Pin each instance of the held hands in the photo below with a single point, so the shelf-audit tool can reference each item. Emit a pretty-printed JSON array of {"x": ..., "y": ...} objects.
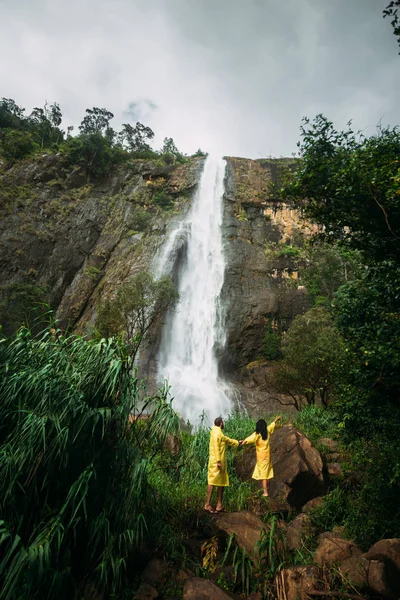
[{"x": 241, "y": 442}]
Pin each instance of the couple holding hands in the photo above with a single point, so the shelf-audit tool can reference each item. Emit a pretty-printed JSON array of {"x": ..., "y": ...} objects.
[{"x": 217, "y": 472}]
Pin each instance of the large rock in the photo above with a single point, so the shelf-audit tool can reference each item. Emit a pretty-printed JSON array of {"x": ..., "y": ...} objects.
[
  {"x": 379, "y": 580},
  {"x": 196, "y": 588},
  {"x": 155, "y": 572},
  {"x": 334, "y": 550},
  {"x": 387, "y": 551},
  {"x": 295, "y": 583},
  {"x": 245, "y": 526},
  {"x": 354, "y": 571},
  {"x": 298, "y": 467},
  {"x": 298, "y": 530}
]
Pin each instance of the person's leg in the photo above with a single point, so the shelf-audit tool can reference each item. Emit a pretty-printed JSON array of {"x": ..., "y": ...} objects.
[
  {"x": 220, "y": 493},
  {"x": 207, "y": 505},
  {"x": 264, "y": 483}
]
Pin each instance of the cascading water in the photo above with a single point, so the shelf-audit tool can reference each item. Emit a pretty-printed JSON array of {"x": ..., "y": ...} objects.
[{"x": 194, "y": 331}]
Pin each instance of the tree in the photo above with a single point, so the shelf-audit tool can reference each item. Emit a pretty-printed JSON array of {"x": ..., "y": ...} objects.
[
  {"x": 170, "y": 152},
  {"x": 16, "y": 144},
  {"x": 135, "y": 308},
  {"x": 392, "y": 10},
  {"x": 323, "y": 268},
  {"x": 11, "y": 115},
  {"x": 311, "y": 347},
  {"x": 135, "y": 138},
  {"x": 45, "y": 124},
  {"x": 352, "y": 186},
  {"x": 93, "y": 152},
  {"x": 97, "y": 120}
]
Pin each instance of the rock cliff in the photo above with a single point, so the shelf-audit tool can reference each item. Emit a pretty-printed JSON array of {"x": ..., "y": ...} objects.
[{"x": 70, "y": 243}]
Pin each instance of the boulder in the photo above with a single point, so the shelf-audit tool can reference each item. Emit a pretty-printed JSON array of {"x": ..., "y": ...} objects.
[
  {"x": 331, "y": 445},
  {"x": 387, "y": 552},
  {"x": 155, "y": 572},
  {"x": 300, "y": 528},
  {"x": 196, "y": 588},
  {"x": 334, "y": 550},
  {"x": 295, "y": 583},
  {"x": 354, "y": 571},
  {"x": 312, "y": 504},
  {"x": 334, "y": 469},
  {"x": 245, "y": 525},
  {"x": 298, "y": 467},
  {"x": 146, "y": 592},
  {"x": 379, "y": 582}
]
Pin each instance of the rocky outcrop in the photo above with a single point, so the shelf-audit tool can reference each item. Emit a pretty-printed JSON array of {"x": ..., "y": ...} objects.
[
  {"x": 298, "y": 467},
  {"x": 79, "y": 241},
  {"x": 196, "y": 588}
]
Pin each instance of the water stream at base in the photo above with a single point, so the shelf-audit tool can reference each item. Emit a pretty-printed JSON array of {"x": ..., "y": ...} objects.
[{"x": 194, "y": 331}]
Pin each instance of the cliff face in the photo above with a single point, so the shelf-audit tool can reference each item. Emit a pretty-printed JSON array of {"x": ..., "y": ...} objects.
[
  {"x": 260, "y": 288},
  {"x": 76, "y": 241}
]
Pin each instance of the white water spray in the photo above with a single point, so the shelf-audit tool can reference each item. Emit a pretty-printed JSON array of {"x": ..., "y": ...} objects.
[{"x": 195, "y": 329}]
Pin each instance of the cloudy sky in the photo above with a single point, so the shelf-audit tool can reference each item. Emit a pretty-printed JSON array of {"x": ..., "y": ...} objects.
[{"x": 232, "y": 76}]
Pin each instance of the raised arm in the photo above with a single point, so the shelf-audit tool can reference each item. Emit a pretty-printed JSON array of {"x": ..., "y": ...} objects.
[{"x": 275, "y": 423}]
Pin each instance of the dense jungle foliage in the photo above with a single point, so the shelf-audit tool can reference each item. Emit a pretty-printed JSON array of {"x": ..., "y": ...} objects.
[{"x": 97, "y": 148}]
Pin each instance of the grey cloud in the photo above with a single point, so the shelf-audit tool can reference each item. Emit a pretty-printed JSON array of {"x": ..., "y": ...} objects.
[{"x": 234, "y": 76}]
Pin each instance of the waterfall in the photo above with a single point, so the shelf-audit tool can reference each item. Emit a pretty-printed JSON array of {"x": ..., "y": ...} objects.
[{"x": 194, "y": 330}]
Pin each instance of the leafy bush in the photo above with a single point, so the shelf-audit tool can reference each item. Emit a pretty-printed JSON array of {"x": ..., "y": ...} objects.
[
  {"x": 140, "y": 219},
  {"x": 76, "y": 502},
  {"x": 272, "y": 344},
  {"x": 16, "y": 144},
  {"x": 163, "y": 199}
]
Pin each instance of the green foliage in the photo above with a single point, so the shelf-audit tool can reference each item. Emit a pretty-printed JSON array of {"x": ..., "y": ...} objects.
[
  {"x": 15, "y": 144},
  {"x": 76, "y": 502},
  {"x": 135, "y": 308},
  {"x": 163, "y": 199},
  {"x": 311, "y": 348},
  {"x": 170, "y": 153},
  {"x": 94, "y": 153},
  {"x": 140, "y": 219},
  {"x": 352, "y": 186},
  {"x": 392, "y": 10},
  {"x": 272, "y": 344},
  {"x": 317, "y": 422},
  {"x": 136, "y": 139},
  {"x": 22, "y": 304},
  {"x": 323, "y": 268}
]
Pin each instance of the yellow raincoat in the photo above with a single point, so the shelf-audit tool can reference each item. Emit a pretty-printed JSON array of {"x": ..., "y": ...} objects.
[
  {"x": 218, "y": 443},
  {"x": 263, "y": 468}
]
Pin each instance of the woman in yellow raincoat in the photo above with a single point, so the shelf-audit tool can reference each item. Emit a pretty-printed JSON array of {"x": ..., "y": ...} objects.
[
  {"x": 263, "y": 469},
  {"x": 217, "y": 472}
]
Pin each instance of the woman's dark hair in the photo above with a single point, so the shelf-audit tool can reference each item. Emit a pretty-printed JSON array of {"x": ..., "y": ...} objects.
[{"x": 261, "y": 427}]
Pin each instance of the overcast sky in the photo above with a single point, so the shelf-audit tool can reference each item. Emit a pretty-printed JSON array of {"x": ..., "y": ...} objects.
[{"x": 233, "y": 76}]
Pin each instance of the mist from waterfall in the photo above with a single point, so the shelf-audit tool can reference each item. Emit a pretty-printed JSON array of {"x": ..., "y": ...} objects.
[{"x": 194, "y": 331}]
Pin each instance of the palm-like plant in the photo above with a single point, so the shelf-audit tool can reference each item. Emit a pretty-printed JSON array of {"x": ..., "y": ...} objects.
[{"x": 74, "y": 497}]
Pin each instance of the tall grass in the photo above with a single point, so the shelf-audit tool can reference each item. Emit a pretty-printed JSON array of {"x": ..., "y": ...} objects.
[{"x": 74, "y": 491}]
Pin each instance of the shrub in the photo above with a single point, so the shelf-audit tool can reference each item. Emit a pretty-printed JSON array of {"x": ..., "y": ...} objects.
[
  {"x": 16, "y": 144},
  {"x": 272, "y": 344},
  {"x": 74, "y": 471}
]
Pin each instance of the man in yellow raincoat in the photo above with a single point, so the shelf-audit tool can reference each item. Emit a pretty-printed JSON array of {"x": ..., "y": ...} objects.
[{"x": 217, "y": 473}]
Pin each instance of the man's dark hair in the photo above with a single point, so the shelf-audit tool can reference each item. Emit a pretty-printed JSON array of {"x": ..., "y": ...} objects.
[{"x": 218, "y": 421}]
